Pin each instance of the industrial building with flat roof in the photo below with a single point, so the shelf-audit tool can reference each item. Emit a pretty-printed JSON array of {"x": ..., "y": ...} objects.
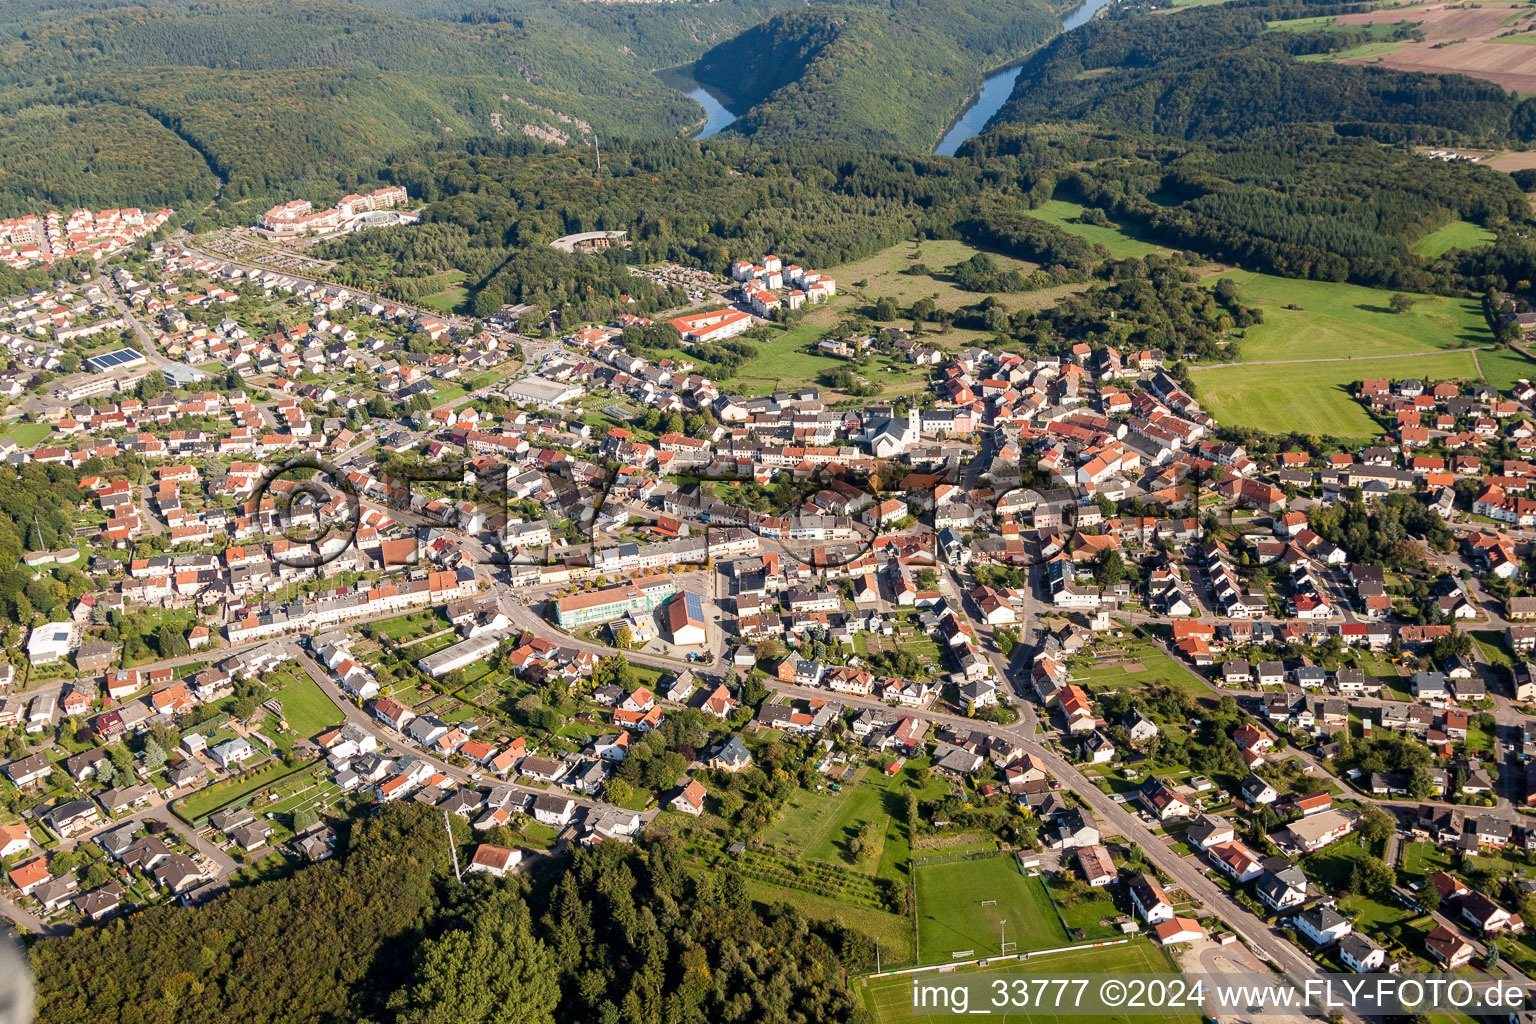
[{"x": 541, "y": 391}]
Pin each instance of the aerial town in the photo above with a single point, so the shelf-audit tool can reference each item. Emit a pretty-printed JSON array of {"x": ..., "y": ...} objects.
[{"x": 1275, "y": 703}]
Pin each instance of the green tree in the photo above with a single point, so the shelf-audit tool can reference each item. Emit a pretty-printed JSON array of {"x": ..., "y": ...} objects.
[
  {"x": 154, "y": 755},
  {"x": 733, "y": 890},
  {"x": 1400, "y": 302},
  {"x": 489, "y": 968},
  {"x": 151, "y": 385},
  {"x": 1377, "y": 825},
  {"x": 618, "y": 791}
]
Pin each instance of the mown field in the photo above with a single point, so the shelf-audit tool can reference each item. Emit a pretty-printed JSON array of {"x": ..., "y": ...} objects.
[
  {"x": 1143, "y": 666},
  {"x": 1325, "y": 320},
  {"x": 1120, "y": 243},
  {"x": 1314, "y": 398},
  {"x": 952, "y": 918},
  {"x": 1458, "y": 234},
  {"x": 819, "y": 826}
]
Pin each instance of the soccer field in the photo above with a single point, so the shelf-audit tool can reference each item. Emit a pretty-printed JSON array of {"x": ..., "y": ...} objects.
[
  {"x": 952, "y": 915},
  {"x": 890, "y": 999}
]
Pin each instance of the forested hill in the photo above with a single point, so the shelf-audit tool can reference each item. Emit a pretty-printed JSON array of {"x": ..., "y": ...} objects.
[
  {"x": 1304, "y": 202},
  {"x": 1214, "y": 72},
  {"x": 887, "y": 76},
  {"x": 279, "y": 97},
  {"x": 384, "y": 933}
]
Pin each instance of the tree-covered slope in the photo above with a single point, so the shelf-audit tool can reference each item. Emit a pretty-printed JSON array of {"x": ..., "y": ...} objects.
[
  {"x": 1214, "y": 72},
  {"x": 890, "y": 75},
  {"x": 383, "y": 932},
  {"x": 282, "y": 96}
]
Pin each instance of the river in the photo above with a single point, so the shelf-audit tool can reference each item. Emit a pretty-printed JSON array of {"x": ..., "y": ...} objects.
[
  {"x": 999, "y": 86},
  {"x": 716, "y": 116}
]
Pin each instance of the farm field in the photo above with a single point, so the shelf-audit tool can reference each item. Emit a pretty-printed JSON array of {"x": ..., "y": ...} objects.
[
  {"x": 951, "y": 918},
  {"x": 1458, "y": 39},
  {"x": 1502, "y": 367},
  {"x": 1345, "y": 319},
  {"x": 1458, "y": 234},
  {"x": 1313, "y": 398},
  {"x": 890, "y": 999}
]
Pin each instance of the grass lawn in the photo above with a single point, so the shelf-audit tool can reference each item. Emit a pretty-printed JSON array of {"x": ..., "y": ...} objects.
[
  {"x": 28, "y": 435},
  {"x": 1496, "y": 865},
  {"x": 206, "y": 801},
  {"x": 306, "y": 708},
  {"x": 1120, "y": 243},
  {"x": 405, "y": 626},
  {"x": 1423, "y": 859},
  {"x": 819, "y": 826},
  {"x": 890, "y": 999},
  {"x": 1090, "y": 913},
  {"x": 1345, "y": 319},
  {"x": 1314, "y": 398},
  {"x": 1491, "y": 643},
  {"x": 951, "y": 917},
  {"x": 449, "y": 293},
  {"x": 787, "y": 360},
  {"x": 1458, "y": 234},
  {"x": 1331, "y": 866}
]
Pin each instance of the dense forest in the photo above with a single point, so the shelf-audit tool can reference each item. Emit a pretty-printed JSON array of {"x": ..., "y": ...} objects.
[
  {"x": 383, "y": 932},
  {"x": 1301, "y": 202},
  {"x": 280, "y": 96}
]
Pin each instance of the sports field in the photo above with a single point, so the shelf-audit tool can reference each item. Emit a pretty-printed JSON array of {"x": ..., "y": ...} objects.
[
  {"x": 1144, "y": 664},
  {"x": 1314, "y": 398},
  {"x": 952, "y": 917},
  {"x": 890, "y": 999},
  {"x": 1325, "y": 319}
]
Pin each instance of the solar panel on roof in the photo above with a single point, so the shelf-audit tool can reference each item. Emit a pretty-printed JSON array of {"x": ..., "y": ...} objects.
[
  {"x": 693, "y": 605},
  {"x": 109, "y": 360}
]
